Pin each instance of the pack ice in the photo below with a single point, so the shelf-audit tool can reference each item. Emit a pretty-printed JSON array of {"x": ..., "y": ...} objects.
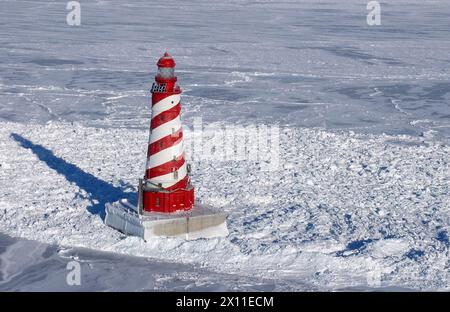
[{"x": 348, "y": 210}]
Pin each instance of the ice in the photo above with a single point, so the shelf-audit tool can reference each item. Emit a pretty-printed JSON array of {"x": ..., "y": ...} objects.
[
  {"x": 308, "y": 63},
  {"x": 361, "y": 199},
  {"x": 376, "y": 203},
  {"x": 31, "y": 266}
]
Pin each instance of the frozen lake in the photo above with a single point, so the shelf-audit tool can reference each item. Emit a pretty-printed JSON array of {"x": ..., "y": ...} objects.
[
  {"x": 303, "y": 63},
  {"x": 362, "y": 196},
  {"x": 32, "y": 266}
]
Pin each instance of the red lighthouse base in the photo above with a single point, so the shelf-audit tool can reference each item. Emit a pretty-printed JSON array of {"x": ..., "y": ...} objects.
[
  {"x": 168, "y": 201},
  {"x": 165, "y": 213}
]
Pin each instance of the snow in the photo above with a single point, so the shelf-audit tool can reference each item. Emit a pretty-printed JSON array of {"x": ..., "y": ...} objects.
[
  {"x": 360, "y": 198},
  {"x": 32, "y": 266},
  {"x": 368, "y": 212}
]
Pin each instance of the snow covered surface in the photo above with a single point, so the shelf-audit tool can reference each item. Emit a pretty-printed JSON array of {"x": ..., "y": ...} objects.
[
  {"x": 32, "y": 266},
  {"x": 342, "y": 208},
  {"x": 361, "y": 198}
]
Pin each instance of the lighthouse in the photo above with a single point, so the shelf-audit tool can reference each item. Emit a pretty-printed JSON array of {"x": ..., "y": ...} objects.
[
  {"x": 166, "y": 186},
  {"x": 165, "y": 205}
]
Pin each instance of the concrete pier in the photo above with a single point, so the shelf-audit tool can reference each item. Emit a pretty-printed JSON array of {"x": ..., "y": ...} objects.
[{"x": 200, "y": 222}]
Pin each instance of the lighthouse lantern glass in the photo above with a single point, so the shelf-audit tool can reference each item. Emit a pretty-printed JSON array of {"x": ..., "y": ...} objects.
[{"x": 166, "y": 72}]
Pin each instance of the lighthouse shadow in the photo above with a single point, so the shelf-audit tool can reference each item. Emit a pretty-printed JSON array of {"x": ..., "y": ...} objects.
[{"x": 100, "y": 192}]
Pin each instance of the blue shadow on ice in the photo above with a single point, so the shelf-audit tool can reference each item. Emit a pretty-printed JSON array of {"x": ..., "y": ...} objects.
[{"x": 98, "y": 189}]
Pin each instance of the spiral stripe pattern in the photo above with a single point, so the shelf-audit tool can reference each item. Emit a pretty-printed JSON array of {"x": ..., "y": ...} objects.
[{"x": 166, "y": 165}]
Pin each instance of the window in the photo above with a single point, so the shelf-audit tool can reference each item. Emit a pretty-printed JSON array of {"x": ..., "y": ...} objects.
[
  {"x": 157, "y": 201},
  {"x": 175, "y": 175},
  {"x": 166, "y": 72}
]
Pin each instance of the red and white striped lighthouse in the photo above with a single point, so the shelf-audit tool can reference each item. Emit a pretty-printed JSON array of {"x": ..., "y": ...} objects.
[{"x": 166, "y": 186}]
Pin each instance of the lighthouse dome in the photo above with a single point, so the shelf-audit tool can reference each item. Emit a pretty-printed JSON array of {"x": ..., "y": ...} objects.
[{"x": 166, "y": 61}]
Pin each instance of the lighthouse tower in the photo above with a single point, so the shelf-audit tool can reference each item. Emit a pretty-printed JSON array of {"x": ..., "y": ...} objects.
[
  {"x": 166, "y": 186},
  {"x": 165, "y": 204}
]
